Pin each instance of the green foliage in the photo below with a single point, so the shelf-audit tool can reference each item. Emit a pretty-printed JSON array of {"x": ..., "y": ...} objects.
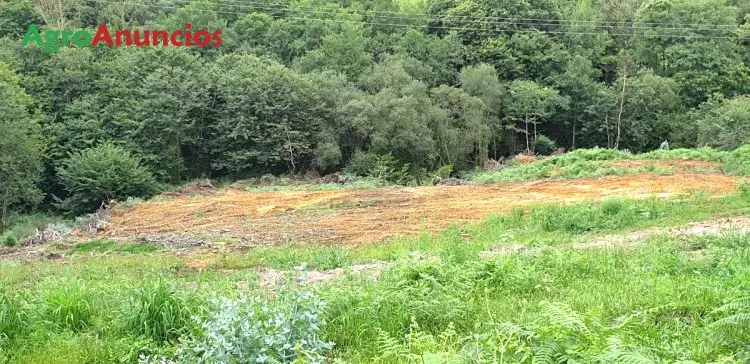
[
  {"x": 9, "y": 238},
  {"x": 69, "y": 306},
  {"x": 159, "y": 313},
  {"x": 101, "y": 246},
  {"x": 14, "y": 318},
  {"x": 381, "y": 167},
  {"x": 100, "y": 174},
  {"x": 723, "y": 123},
  {"x": 444, "y": 171},
  {"x": 251, "y": 329},
  {"x": 738, "y": 161},
  {"x": 22, "y": 145},
  {"x": 544, "y": 145},
  {"x": 597, "y": 162}
]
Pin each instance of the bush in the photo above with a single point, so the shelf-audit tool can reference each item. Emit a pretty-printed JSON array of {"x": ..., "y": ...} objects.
[
  {"x": 9, "y": 238},
  {"x": 100, "y": 174},
  {"x": 251, "y": 330},
  {"x": 544, "y": 145},
  {"x": 69, "y": 307},
  {"x": 738, "y": 161},
  {"x": 383, "y": 167},
  {"x": 159, "y": 313}
]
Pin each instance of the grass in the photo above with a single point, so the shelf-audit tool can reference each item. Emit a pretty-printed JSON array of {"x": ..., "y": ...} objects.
[
  {"x": 596, "y": 162},
  {"x": 102, "y": 246},
  {"x": 69, "y": 306},
  {"x": 669, "y": 299},
  {"x": 159, "y": 312}
]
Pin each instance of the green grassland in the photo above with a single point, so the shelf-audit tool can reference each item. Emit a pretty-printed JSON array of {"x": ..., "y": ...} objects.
[{"x": 437, "y": 300}]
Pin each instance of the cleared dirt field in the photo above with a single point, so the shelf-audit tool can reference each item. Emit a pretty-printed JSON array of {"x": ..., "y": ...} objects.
[{"x": 364, "y": 216}]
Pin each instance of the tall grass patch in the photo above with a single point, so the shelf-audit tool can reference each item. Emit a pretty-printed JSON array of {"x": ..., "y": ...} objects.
[
  {"x": 69, "y": 306},
  {"x": 14, "y": 318},
  {"x": 159, "y": 312}
]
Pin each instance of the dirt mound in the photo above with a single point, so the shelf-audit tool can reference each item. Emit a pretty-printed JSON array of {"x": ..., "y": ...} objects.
[
  {"x": 366, "y": 216},
  {"x": 525, "y": 158}
]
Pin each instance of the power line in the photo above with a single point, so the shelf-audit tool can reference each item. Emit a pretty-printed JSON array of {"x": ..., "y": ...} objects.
[
  {"x": 420, "y": 26},
  {"x": 250, "y": 3},
  {"x": 406, "y": 16}
]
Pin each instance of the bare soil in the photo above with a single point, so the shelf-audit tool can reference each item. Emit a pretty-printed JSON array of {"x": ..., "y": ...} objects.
[{"x": 356, "y": 217}]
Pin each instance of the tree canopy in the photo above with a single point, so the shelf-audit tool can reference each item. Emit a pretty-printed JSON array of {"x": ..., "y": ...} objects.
[{"x": 308, "y": 85}]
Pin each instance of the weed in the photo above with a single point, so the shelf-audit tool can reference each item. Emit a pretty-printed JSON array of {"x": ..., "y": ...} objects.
[
  {"x": 158, "y": 312},
  {"x": 69, "y": 306},
  {"x": 14, "y": 319}
]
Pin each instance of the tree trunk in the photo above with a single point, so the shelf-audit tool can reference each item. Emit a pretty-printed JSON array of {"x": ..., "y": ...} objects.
[
  {"x": 573, "y": 143},
  {"x": 606, "y": 127},
  {"x": 526, "y": 122},
  {"x": 533, "y": 144},
  {"x": 622, "y": 106}
]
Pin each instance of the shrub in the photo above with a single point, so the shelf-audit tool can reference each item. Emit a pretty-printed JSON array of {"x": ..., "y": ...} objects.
[
  {"x": 444, "y": 171},
  {"x": 384, "y": 167},
  {"x": 9, "y": 238},
  {"x": 100, "y": 174},
  {"x": 158, "y": 312},
  {"x": 252, "y": 330},
  {"x": 69, "y": 307},
  {"x": 738, "y": 161},
  {"x": 544, "y": 145}
]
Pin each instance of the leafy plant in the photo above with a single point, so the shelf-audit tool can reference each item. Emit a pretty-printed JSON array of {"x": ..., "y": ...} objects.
[{"x": 254, "y": 330}]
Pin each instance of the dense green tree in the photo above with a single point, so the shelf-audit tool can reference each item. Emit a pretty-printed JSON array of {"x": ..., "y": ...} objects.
[
  {"x": 267, "y": 117},
  {"x": 704, "y": 58},
  {"x": 531, "y": 104},
  {"x": 21, "y": 147},
  {"x": 724, "y": 123},
  {"x": 409, "y": 86}
]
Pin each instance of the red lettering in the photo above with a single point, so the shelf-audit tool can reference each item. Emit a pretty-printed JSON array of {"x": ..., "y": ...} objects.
[
  {"x": 188, "y": 35},
  {"x": 174, "y": 36},
  {"x": 123, "y": 34},
  {"x": 146, "y": 41},
  {"x": 202, "y": 38},
  {"x": 164, "y": 36},
  {"x": 217, "y": 38},
  {"x": 102, "y": 35}
]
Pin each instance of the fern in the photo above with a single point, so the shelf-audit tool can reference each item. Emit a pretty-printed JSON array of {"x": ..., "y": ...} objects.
[
  {"x": 736, "y": 320},
  {"x": 562, "y": 316},
  {"x": 550, "y": 353}
]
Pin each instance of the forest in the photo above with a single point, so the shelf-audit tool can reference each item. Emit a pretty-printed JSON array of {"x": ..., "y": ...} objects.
[{"x": 351, "y": 85}]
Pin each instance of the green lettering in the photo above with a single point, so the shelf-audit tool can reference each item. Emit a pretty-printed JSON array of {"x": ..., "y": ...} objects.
[
  {"x": 66, "y": 34},
  {"x": 32, "y": 35},
  {"x": 50, "y": 41},
  {"x": 82, "y": 38}
]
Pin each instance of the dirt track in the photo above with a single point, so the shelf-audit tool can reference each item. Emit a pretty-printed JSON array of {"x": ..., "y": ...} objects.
[{"x": 363, "y": 216}]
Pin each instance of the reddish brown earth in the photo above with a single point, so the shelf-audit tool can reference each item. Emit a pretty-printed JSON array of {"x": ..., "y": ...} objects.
[{"x": 363, "y": 216}]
